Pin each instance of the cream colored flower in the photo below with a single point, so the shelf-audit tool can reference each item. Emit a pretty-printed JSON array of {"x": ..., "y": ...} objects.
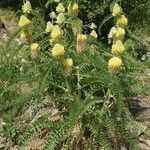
[
  {"x": 93, "y": 26},
  {"x": 24, "y": 21},
  {"x": 60, "y": 8},
  {"x": 122, "y": 21},
  {"x": 58, "y": 51},
  {"x": 49, "y": 27},
  {"x": 94, "y": 34},
  {"x": 26, "y": 8},
  {"x": 53, "y": 15},
  {"x": 112, "y": 32},
  {"x": 115, "y": 64},
  {"x": 60, "y": 18},
  {"x": 56, "y": 33},
  {"x": 118, "y": 48},
  {"x": 117, "y": 10}
]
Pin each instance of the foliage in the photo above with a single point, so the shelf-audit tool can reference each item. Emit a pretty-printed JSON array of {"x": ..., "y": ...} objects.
[{"x": 91, "y": 100}]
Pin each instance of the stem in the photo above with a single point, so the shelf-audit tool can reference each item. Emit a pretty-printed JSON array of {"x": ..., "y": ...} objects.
[{"x": 78, "y": 84}]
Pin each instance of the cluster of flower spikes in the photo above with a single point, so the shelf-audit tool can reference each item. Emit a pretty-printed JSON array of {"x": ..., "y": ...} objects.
[
  {"x": 24, "y": 25},
  {"x": 116, "y": 36},
  {"x": 55, "y": 32}
]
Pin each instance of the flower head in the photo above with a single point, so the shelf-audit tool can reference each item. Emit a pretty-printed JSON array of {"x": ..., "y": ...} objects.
[
  {"x": 81, "y": 37},
  {"x": 60, "y": 18},
  {"x": 49, "y": 27},
  {"x": 26, "y": 8},
  {"x": 118, "y": 48},
  {"x": 114, "y": 64},
  {"x": 60, "y": 8},
  {"x": 68, "y": 62},
  {"x": 35, "y": 46},
  {"x": 57, "y": 32},
  {"x": 94, "y": 34},
  {"x": 73, "y": 9},
  {"x": 122, "y": 21},
  {"x": 117, "y": 10},
  {"x": 58, "y": 51},
  {"x": 24, "y": 21},
  {"x": 93, "y": 26},
  {"x": 120, "y": 32}
]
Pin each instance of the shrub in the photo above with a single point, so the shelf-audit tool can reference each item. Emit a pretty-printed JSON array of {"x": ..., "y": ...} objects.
[{"x": 86, "y": 81}]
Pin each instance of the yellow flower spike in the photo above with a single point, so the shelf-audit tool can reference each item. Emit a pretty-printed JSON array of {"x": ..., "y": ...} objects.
[
  {"x": 56, "y": 33},
  {"x": 122, "y": 21},
  {"x": 74, "y": 9},
  {"x": 115, "y": 64},
  {"x": 93, "y": 26},
  {"x": 26, "y": 7},
  {"x": 49, "y": 27},
  {"x": 60, "y": 18},
  {"x": 117, "y": 10},
  {"x": 58, "y": 51},
  {"x": 120, "y": 32},
  {"x": 34, "y": 50},
  {"x": 68, "y": 62},
  {"x": 118, "y": 48},
  {"x": 94, "y": 34},
  {"x": 60, "y": 8},
  {"x": 81, "y": 43},
  {"x": 81, "y": 37},
  {"x": 24, "y": 21},
  {"x": 67, "y": 67}
]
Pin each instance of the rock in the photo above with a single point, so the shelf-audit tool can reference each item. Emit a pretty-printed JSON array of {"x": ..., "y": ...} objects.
[
  {"x": 144, "y": 147},
  {"x": 10, "y": 25}
]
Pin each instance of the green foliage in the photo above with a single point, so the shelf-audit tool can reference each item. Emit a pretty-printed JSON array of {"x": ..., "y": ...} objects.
[{"x": 91, "y": 101}]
